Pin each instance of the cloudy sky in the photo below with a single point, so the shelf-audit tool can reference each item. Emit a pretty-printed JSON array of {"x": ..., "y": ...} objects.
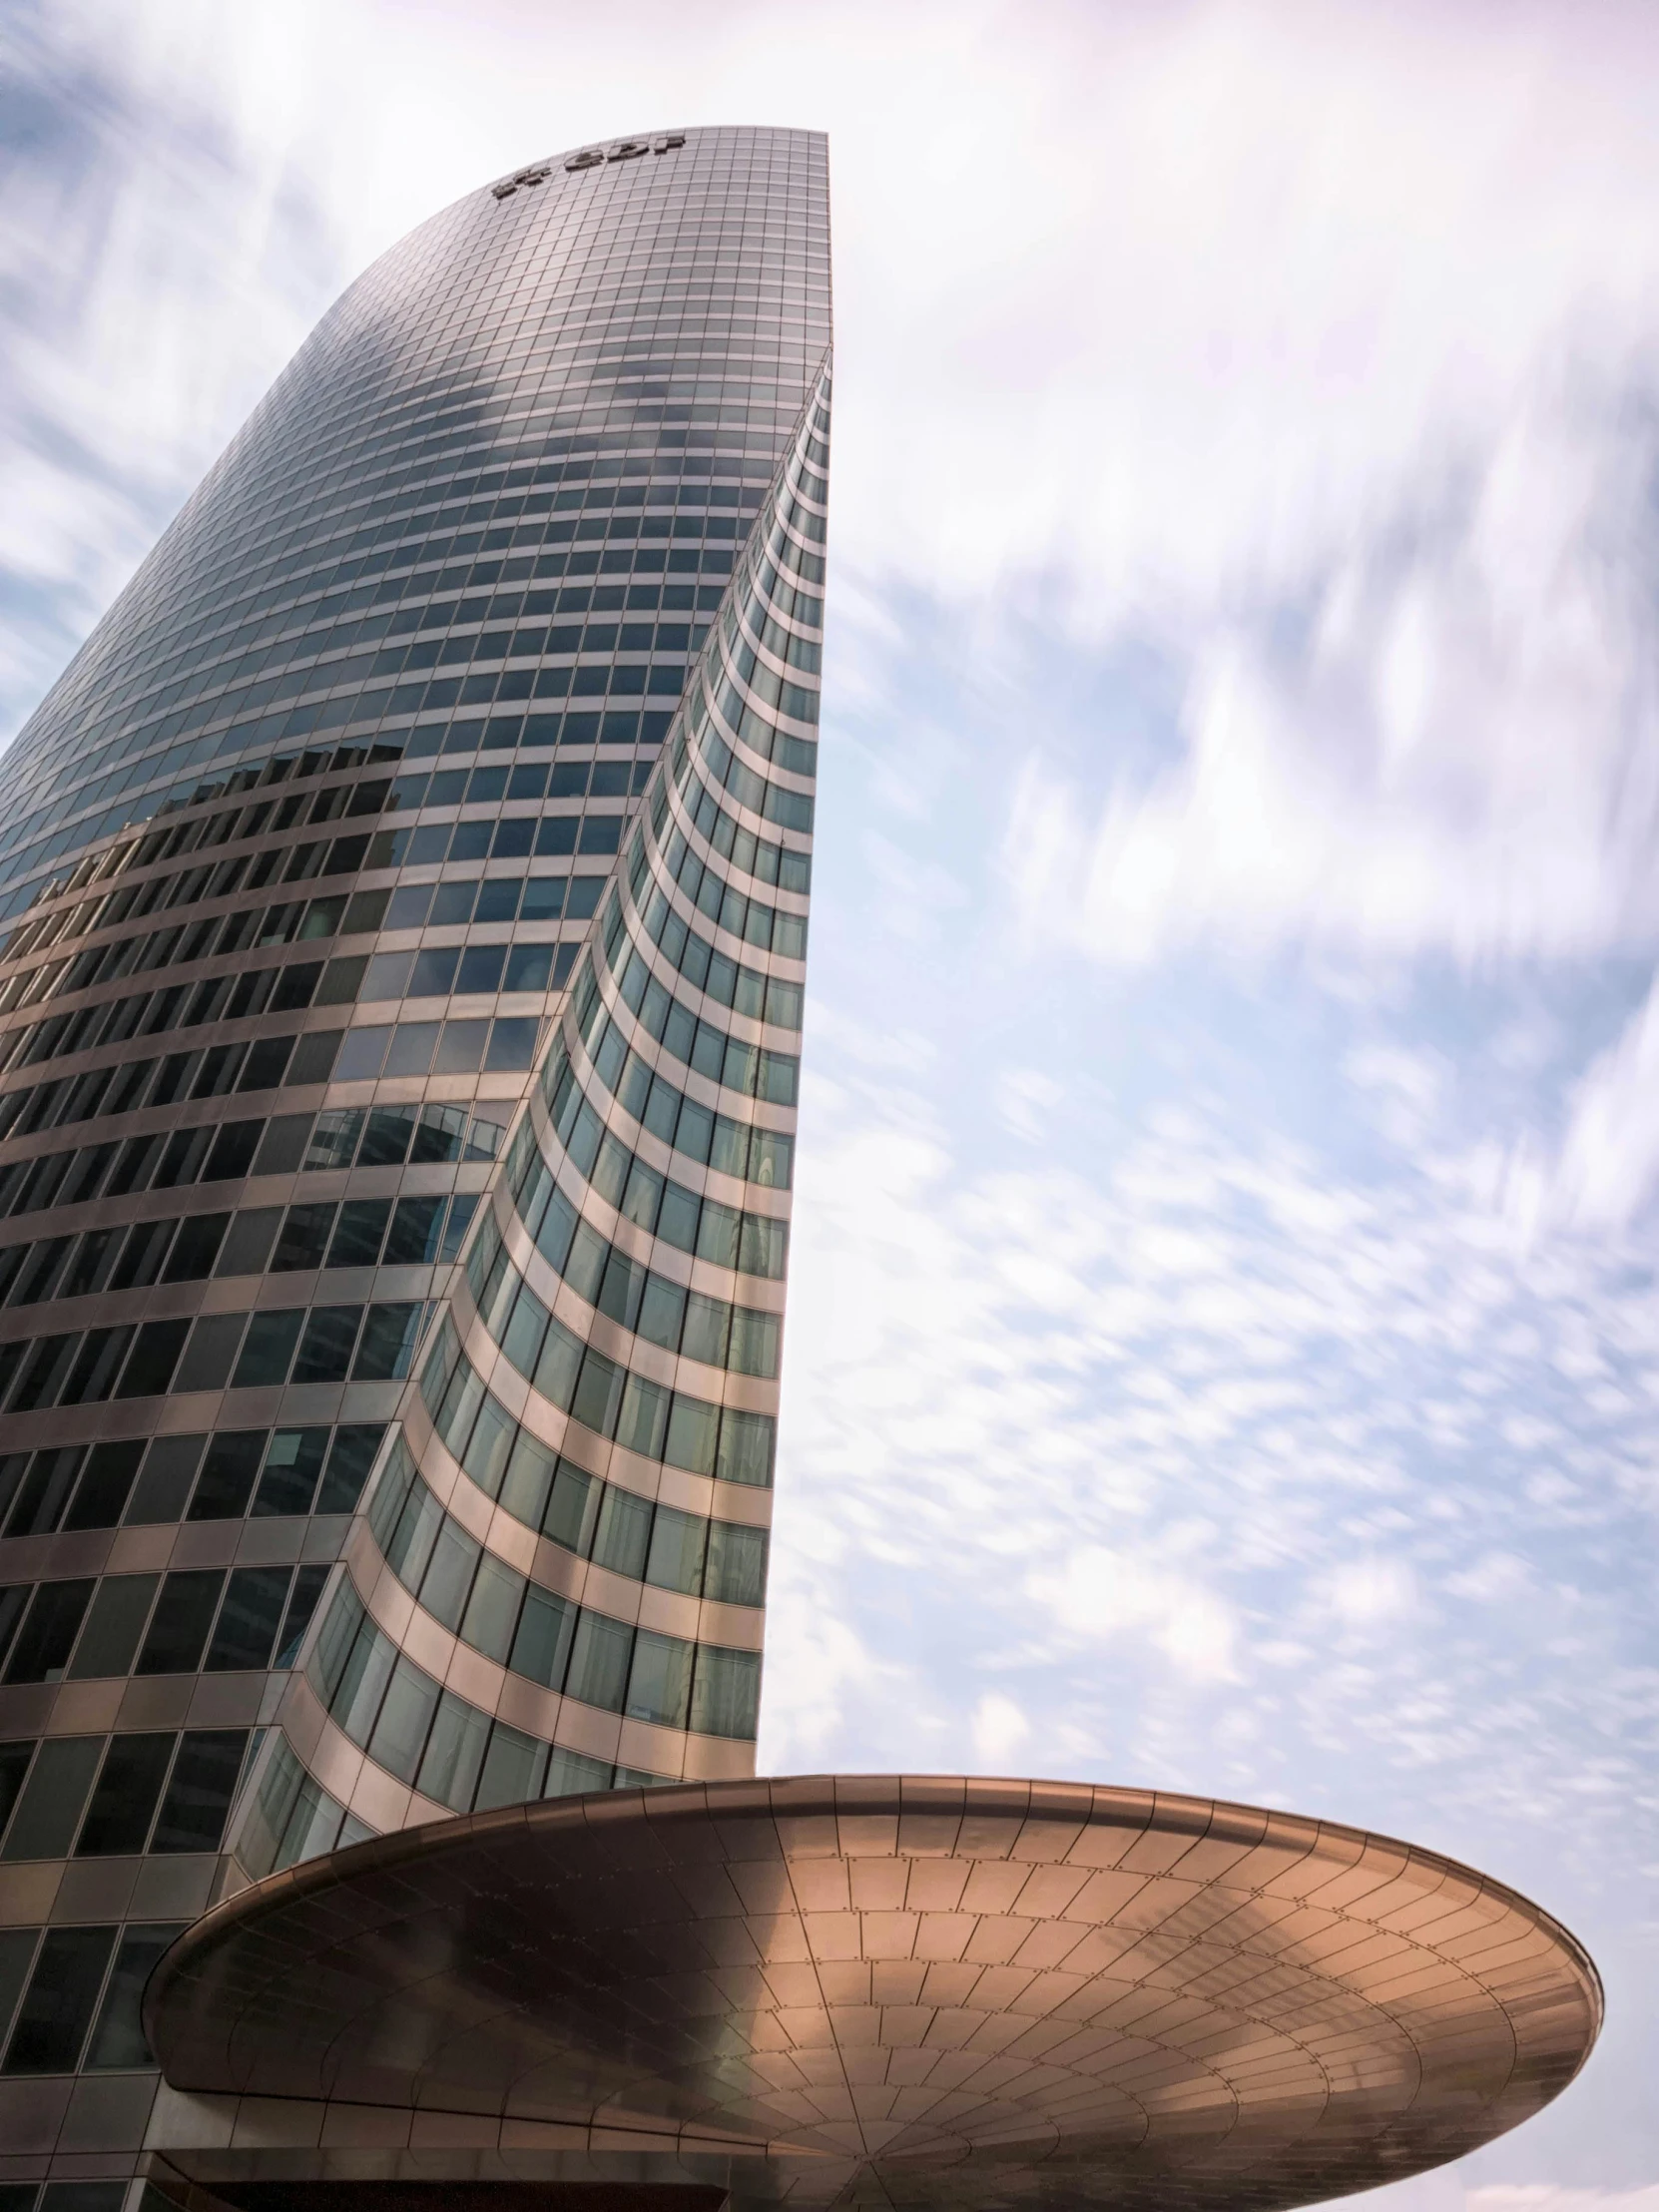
[{"x": 1225, "y": 1339}]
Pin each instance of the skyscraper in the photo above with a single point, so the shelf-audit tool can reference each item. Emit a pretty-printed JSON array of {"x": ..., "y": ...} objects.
[
  {"x": 400, "y": 1033},
  {"x": 338, "y": 809}
]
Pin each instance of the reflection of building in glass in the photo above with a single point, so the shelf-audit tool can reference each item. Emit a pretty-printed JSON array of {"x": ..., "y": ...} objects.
[{"x": 399, "y": 1027}]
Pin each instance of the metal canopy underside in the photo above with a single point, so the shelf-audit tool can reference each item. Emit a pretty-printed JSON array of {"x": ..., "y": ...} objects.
[{"x": 898, "y": 1990}]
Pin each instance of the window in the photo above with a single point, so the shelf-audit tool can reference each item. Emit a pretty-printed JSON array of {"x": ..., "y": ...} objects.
[
  {"x": 360, "y": 1232},
  {"x": 129, "y": 1789},
  {"x": 659, "y": 1681},
  {"x": 178, "y": 1628},
  {"x": 199, "y": 1795},
  {"x": 727, "y": 1694},
  {"x": 227, "y": 1474},
  {"x": 244, "y": 1633},
  {"x": 118, "y": 2041},
  {"x": 47, "y": 1638},
  {"x": 114, "y": 1624},
  {"x": 324, "y": 1354},
  {"x": 293, "y": 1462},
  {"x": 57, "y": 2008},
  {"x": 50, "y": 1803},
  {"x": 304, "y": 1238}
]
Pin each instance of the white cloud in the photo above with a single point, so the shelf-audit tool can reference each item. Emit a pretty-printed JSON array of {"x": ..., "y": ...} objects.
[
  {"x": 1496, "y": 1577},
  {"x": 1609, "y": 1161},
  {"x": 1456, "y": 751},
  {"x": 1372, "y": 1594},
  {"x": 999, "y": 1728},
  {"x": 1102, "y": 1595},
  {"x": 1026, "y": 1101}
]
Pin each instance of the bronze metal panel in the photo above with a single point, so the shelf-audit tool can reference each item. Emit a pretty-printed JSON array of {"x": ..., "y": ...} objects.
[{"x": 916, "y": 1993}]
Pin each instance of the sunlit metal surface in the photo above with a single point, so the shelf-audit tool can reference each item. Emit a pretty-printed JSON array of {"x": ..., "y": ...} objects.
[{"x": 910, "y": 1992}]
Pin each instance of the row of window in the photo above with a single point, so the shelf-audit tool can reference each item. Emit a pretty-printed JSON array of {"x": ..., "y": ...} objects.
[
  {"x": 751, "y": 623},
  {"x": 517, "y": 837},
  {"x": 298, "y": 723},
  {"x": 333, "y": 624},
  {"x": 740, "y": 1149},
  {"x": 242, "y": 698},
  {"x": 399, "y": 1136},
  {"x": 271, "y": 862},
  {"x": 221, "y": 1621},
  {"x": 751, "y": 1070},
  {"x": 55, "y": 1982},
  {"x": 726, "y": 838},
  {"x": 429, "y": 605},
  {"x": 493, "y": 898},
  {"x": 451, "y": 1048},
  {"x": 638, "y": 511},
  {"x": 219, "y": 1069},
  {"x": 362, "y": 1233},
  {"x": 240, "y": 1352},
  {"x": 769, "y": 999},
  {"x": 487, "y": 786},
  {"x": 746, "y": 695},
  {"x": 789, "y": 809},
  {"x": 125, "y": 1086},
  {"x": 387, "y": 638},
  {"x": 759, "y": 997},
  {"x": 687, "y": 489},
  {"x": 604, "y": 1395},
  {"x": 99, "y": 1797},
  {"x": 419, "y": 1732},
  {"x": 73, "y": 2196},
  {"x": 175, "y": 838},
  {"x": 785, "y": 591},
  {"x": 710, "y": 1330},
  {"x": 717, "y": 769},
  {"x": 748, "y": 1242},
  {"x": 300, "y": 984},
  {"x": 423, "y": 480},
  {"x": 435, "y": 1557},
  {"x": 459, "y": 648},
  {"x": 286, "y": 725},
  {"x": 562, "y": 489},
  {"x": 339, "y": 558},
  {"x": 464, "y": 642},
  {"x": 769, "y": 928},
  {"x": 574, "y": 732},
  {"x": 214, "y": 1152},
  {"x": 254, "y": 930},
  {"x": 263, "y": 1474},
  {"x": 226, "y": 997},
  {"x": 788, "y": 551},
  {"x": 626, "y": 683},
  {"x": 249, "y": 930},
  {"x": 474, "y": 970},
  {"x": 724, "y": 1442},
  {"x": 291, "y": 1817},
  {"x": 609, "y": 525}
]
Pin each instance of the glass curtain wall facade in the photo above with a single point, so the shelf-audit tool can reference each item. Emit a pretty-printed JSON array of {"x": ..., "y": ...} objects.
[{"x": 400, "y": 1032}]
